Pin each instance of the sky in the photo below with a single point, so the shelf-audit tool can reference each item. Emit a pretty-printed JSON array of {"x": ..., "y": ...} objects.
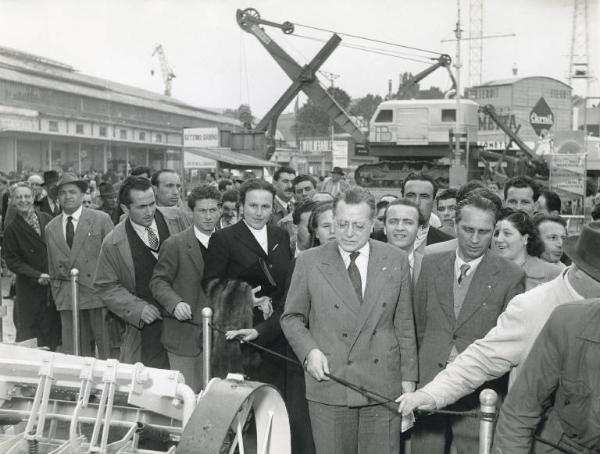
[{"x": 218, "y": 65}]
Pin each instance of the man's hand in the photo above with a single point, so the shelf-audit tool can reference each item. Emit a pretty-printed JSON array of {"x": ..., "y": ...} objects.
[
  {"x": 408, "y": 387},
  {"x": 150, "y": 313},
  {"x": 415, "y": 400},
  {"x": 182, "y": 311},
  {"x": 248, "y": 334},
  {"x": 317, "y": 365},
  {"x": 263, "y": 303},
  {"x": 44, "y": 279}
]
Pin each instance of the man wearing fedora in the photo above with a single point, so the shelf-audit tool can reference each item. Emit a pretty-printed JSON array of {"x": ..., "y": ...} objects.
[
  {"x": 336, "y": 183},
  {"x": 50, "y": 203},
  {"x": 505, "y": 347},
  {"x": 74, "y": 239}
]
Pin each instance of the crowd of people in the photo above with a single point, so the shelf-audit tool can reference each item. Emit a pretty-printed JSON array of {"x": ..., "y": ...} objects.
[{"x": 427, "y": 297}]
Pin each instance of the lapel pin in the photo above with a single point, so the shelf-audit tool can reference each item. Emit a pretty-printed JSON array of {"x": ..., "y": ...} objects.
[
  {"x": 384, "y": 268},
  {"x": 275, "y": 247}
]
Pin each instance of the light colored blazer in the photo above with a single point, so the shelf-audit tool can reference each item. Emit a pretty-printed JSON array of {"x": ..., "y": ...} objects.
[
  {"x": 371, "y": 344},
  {"x": 93, "y": 226},
  {"x": 115, "y": 282},
  {"x": 505, "y": 347}
]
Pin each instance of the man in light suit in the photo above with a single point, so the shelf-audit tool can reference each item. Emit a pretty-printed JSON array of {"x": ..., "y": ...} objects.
[
  {"x": 177, "y": 285},
  {"x": 459, "y": 296},
  {"x": 506, "y": 346},
  {"x": 74, "y": 239},
  {"x": 127, "y": 259},
  {"x": 348, "y": 310}
]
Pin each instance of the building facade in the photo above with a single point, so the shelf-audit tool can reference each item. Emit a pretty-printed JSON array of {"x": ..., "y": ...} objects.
[{"x": 53, "y": 117}]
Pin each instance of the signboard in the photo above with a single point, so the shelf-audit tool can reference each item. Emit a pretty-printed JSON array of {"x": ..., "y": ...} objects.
[
  {"x": 200, "y": 137},
  {"x": 541, "y": 117},
  {"x": 193, "y": 161},
  {"x": 568, "y": 175},
  {"x": 340, "y": 154}
]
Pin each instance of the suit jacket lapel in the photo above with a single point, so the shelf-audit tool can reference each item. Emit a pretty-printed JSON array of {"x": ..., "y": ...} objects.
[
  {"x": 334, "y": 271},
  {"x": 84, "y": 225},
  {"x": 248, "y": 240},
  {"x": 444, "y": 284},
  {"x": 28, "y": 230},
  {"x": 482, "y": 286},
  {"x": 58, "y": 236},
  {"x": 193, "y": 250}
]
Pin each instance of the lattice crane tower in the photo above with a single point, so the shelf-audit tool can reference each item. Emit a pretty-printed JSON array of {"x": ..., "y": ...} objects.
[
  {"x": 579, "y": 54},
  {"x": 475, "y": 41}
]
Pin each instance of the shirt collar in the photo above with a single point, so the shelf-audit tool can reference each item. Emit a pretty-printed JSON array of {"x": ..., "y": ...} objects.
[
  {"x": 282, "y": 202},
  {"x": 202, "y": 237},
  {"x": 473, "y": 264},
  {"x": 364, "y": 251},
  {"x": 75, "y": 215},
  {"x": 255, "y": 231},
  {"x": 141, "y": 230},
  {"x": 572, "y": 291}
]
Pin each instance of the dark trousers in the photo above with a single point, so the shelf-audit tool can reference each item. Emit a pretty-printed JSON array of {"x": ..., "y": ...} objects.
[
  {"x": 361, "y": 430},
  {"x": 93, "y": 333}
]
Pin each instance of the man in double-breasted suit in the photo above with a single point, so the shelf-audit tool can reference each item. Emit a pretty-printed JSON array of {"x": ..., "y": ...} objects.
[
  {"x": 259, "y": 253},
  {"x": 348, "y": 312},
  {"x": 458, "y": 297},
  {"x": 74, "y": 239},
  {"x": 177, "y": 285},
  {"x": 127, "y": 259}
]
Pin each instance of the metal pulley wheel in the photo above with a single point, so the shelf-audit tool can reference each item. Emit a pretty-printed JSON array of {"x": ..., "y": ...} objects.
[{"x": 237, "y": 416}]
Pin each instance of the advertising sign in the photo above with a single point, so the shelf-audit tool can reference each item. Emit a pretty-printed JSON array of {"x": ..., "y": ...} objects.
[
  {"x": 541, "y": 117},
  {"x": 194, "y": 161},
  {"x": 200, "y": 137},
  {"x": 567, "y": 175},
  {"x": 340, "y": 154}
]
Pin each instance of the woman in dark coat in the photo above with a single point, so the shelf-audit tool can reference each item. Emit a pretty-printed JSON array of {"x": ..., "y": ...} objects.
[{"x": 34, "y": 315}]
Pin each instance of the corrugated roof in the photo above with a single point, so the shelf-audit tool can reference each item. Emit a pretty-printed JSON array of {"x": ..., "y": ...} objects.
[
  {"x": 231, "y": 157},
  {"x": 514, "y": 80},
  {"x": 30, "y": 69}
]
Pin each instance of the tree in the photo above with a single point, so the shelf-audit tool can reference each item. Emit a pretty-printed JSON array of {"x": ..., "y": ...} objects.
[
  {"x": 313, "y": 121},
  {"x": 365, "y": 107}
]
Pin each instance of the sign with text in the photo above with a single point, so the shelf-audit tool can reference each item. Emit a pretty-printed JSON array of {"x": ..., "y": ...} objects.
[
  {"x": 568, "y": 175},
  {"x": 194, "y": 161},
  {"x": 340, "y": 154},
  {"x": 200, "y": 137},
  {"x": 541, "y": 117}
]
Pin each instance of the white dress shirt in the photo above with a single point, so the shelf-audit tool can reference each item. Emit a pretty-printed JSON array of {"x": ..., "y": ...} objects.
[
  {"x": 143, "y": 234},
  {"x": 202, "y": 237},
  {"x": 261, "y": 237},
  {"x": 473, "y": 264},
  {"x": 362, "y": 263},
  {"x": 75, "y": 220}
]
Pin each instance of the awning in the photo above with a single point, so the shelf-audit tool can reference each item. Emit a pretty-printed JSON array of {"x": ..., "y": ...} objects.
[{"x": 232, "y": 158}]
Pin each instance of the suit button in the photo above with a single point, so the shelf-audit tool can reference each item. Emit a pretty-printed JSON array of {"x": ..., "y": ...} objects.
[
  {"x": 384, "y": 304},
  {"x": 454, "y": 337},
  {"x": 349, "y": 363},
  {"x": 567, "y": 401},
  {"x": 344, "y": 334},
  {"x": 374, "y": 332},
  {"x": 337, "y": 306},
  {"x": 441, "y": 365},
  {"x": 375, "y": 360}
]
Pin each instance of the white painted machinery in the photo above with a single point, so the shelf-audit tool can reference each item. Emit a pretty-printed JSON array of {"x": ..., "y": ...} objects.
[{"x": 51, "y": 403}]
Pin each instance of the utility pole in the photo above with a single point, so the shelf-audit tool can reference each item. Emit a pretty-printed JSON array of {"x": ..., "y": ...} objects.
[
  {"x": 458, "y": 170},
  {"x": 331, "y": 77}
]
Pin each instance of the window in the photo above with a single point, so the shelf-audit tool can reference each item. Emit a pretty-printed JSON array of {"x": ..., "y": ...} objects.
[
  {"x": 123, "y": 133},
  {"x": 448, "y": 115},
  {"x": 102, "y": 131},
  {"x": 78, "y": 128},
  {"x": 158, "y": 138},
  {"x": 142, "y": 136},
  {"x": 385, "y": 116},
  {"x": 53, "y": 126}
]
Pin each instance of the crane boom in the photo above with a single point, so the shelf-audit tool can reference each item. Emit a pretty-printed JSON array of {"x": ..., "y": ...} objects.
[{"x": 167, "y": 73}]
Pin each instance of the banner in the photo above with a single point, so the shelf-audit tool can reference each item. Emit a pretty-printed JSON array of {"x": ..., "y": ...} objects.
[
  {"x": 340, "y": 154},
  {"x": 568, "y": 175},
  {"x": 200, "y": 137}
]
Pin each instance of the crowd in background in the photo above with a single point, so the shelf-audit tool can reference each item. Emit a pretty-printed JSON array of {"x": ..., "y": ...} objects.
[{"x": 399, "y": 293}]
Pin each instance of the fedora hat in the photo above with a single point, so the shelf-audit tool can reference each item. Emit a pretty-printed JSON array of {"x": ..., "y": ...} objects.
[
  {"x": 584, "y": 249},
  {"x": 71, "y": 178},
  {"x": 50, "y": 176},
  {"x": 338, "y": 170}
]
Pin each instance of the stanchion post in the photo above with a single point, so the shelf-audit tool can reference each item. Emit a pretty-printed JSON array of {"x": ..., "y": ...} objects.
[
  {"x": 75, "y": 309},
  {"x": 488, "y": 399},
  {"x": 207, "y": 314}
]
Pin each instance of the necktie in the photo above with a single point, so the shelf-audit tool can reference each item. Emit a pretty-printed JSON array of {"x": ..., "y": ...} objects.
[
  {"x": 152, "y": 239},
  {"x": 70, "y": 231},
  {"x": 355, "y": 275},
  {"x": 463, "y": 272}
]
